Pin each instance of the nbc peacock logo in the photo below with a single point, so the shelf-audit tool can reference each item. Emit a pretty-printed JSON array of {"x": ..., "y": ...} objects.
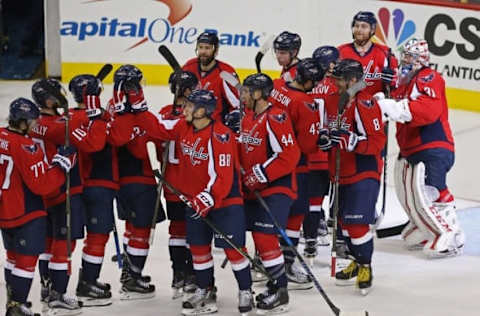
[{"x": 393, "y": 29}]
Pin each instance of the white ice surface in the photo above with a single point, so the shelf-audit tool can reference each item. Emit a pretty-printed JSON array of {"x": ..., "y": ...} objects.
[{"x": 405, "y": 283}]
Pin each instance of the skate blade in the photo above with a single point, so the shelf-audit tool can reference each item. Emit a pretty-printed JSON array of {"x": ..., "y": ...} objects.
[
  {"x": 131, "y": 296},
  {"x": 299, "y": 286},
  {"x": 275, "y": 311},
  {"x": 364, "y": 292},
  {"x": 353, "y": 313},
  {"x": 62, "y": 312},
  {"x": 177, "y": 293},
  {"x": 345, "y": 282},
  {"x": 204, "y": 310},
  {"x": 89, "y": 302}
]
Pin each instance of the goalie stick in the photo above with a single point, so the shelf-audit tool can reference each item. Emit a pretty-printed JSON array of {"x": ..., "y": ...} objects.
[
  {"x": 263, "y": 50},
  {"x": 167, "y": 54}
]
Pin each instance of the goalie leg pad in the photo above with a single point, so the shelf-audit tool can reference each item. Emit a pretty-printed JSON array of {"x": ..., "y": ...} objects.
[
  {"x": 400, "y": 173},
  {"x": 414, "y": 238}
]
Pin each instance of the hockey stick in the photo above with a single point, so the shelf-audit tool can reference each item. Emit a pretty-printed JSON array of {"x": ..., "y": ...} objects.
[
  {"x": 342, "y": 102},
  {"x": 282, "y": 232},
  {"x": 152, "y": 156},
  {"x": 167, "y": 54},
  {"x": 185, "y": 200},
  {"x": 104, "y": 71},
  {"x": 117, "y": 242},
  {"x": 263, "y": 50}
]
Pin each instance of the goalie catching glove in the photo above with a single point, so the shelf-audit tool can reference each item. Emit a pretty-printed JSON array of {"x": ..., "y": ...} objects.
[
  {"x": 398, "y": 111},
  {"x": 202, "y": 203}
]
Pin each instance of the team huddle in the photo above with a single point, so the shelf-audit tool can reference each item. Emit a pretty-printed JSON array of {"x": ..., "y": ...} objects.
[{"x": 257, "y": 156}]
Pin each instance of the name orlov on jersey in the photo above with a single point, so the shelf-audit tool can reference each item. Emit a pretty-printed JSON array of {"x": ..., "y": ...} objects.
[{"x": 158, "y": 30}]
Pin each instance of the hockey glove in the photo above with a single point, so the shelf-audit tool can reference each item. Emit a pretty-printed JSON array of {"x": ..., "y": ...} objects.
[
  {"x": 398, "y": 111},
  {"x": 136, "y": 100},
  {"x": 65, "y": 158},
  {"x": 346, "y": 140},
  {"x": 92, "y": 102},
  {"x": 232, "y": 120},
  {"x": 202, "y": 203},
  {"x": 387, "y": 75},
  {"x": 324, "y": 142},
  {"x": 119, "y": 100},
  {"x": 255, "y": 179}
]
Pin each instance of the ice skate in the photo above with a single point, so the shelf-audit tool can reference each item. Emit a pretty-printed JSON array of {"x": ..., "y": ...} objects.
[
  {"x": 189, "y": 287},
  {"x": 347, "y": 276},
  {"x": 364, "y": 278},
  {"x": 272, "y": 302},
  {"x": 19, "y": 309},
  {"x": 178, "y": 282},
  {"x": 323, "y": 237},
  {"x": 62, "y": 305},
  {"x": 297, "y": 278},
  {"x": 92, "y": 295},
  {"x": 45, "y": 284},
  {"x": 245, "y": 302},
  {"x": 202, "y": 302},
  {"x": 137, "y": 289},
  {"x": 310, "y": 251}
]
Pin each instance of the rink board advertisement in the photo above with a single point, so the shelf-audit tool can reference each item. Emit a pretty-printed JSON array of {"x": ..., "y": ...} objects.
[{"x": 96, "y": 32}]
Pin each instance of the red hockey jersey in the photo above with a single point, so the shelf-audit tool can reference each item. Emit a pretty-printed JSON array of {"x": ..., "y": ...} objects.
[
  {"x": 207, "y": 161},
  {"x": 268, "y": 139},
  {"x": 227, "y": 96},
  {"x": 25, "y": 177},
  {"x": 289, "y": 73},
  {"x": 98, "y": 161},
  {"x": 172, "y": 168},
  {"x": 362, "y": 116},
  {"x": 319, "y": 159},
  {"x": 429, "y": 127},
  {"x": 373, "y": 62},
  {"x": 304, "y": 114}
]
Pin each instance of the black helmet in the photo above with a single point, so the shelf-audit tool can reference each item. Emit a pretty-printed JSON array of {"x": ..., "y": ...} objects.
[
  {"x": 287, "y": 41},
  {"x": 347, "y": 69},
  {"x": 366, "y": 16},
  {"x": 22, "y": 109},
  {"x": 209, "y": 38},
  {"x": 324, "y": 55},
  {"x": 84, "y": 85},
  {"x": 40, "y": 95},
  {"x": 180, "y": 81},
  {"x": 259, "y": 81},
  {"x": 203, "y": 99},
  {"x": 309, "y": 69}
]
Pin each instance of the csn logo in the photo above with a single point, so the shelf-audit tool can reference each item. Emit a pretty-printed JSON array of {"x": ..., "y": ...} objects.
[
  {"x": 393, "y": 29},
  {"x": 159, "y": 30}
]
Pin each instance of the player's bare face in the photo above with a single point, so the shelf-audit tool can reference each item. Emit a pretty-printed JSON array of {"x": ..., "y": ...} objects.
[
  {"x": 361, "y": 32},
  {"x": 283, "y": 57},
  {"x": 205, "y": 53},
  {"x": 188, "y": 111},
  {"x": 341, "y": 84},
  {"x": 246, "y": 98}
]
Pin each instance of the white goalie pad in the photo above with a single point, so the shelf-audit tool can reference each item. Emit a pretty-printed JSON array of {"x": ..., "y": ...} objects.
[
  {"x": 401, "y": 167},
  {"x": 427, "y": 216}
]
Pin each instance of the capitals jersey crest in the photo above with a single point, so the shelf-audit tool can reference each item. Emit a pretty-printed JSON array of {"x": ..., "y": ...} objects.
[
  {"x": 366, "y": 103},
  {"x": 280, "y": 118},
  {"x": 31, "y": 149},
  {"x": 196, "y": 154},
  {"x": 222, "y": 138},
  {"x": 427, "y": 78}
]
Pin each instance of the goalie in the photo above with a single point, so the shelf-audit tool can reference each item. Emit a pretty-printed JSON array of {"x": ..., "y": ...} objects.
[{"x": 426, "y": 154}]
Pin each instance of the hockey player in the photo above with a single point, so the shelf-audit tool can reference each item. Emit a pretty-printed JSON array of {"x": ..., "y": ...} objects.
[
  {"x": 377, "y": 60},
  {"x": 181, "y": 85},
  {"x": 360, "y": 139},
  {"x": 25, "y": 178},
  {"x": 49, "y": 133},
  {"x": 286, "y": 47},
  {"x": 303, "y": 111},
  {"x": 100, "y": 175},
  {"x": 426, "y": 154},
  {"x": 208, "y": 155},
  {"x": 269, "y": 153},
  {"x": 138, "y": 190},
  {"x": 208, "y": 69},
  {"x": 314, "y": 225}
]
